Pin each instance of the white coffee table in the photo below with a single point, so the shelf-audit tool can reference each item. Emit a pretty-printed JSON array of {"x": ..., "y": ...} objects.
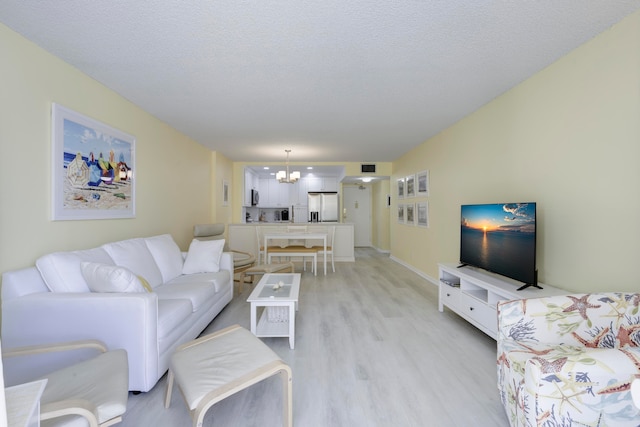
[{"x": 278, "y": 317}]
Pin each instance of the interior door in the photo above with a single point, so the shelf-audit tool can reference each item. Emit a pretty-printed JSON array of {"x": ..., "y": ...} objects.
[{"x": 357, "y": 210}]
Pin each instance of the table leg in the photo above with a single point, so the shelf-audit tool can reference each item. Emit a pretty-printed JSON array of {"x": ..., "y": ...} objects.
[
  {"x": 254, "y": 323},
  {"x": 325, "y": 255},
  {"x": 292, "y": 325}
]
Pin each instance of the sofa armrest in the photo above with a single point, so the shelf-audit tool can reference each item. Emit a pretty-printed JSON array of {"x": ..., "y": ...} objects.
[
  {"x": 120, "y": 320},
  {"x": 582, "y": 384},
  {"x": 226, "y": 262}
]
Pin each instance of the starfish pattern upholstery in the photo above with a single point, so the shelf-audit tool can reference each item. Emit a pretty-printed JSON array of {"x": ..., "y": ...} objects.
[{"x": 569, "y": 360}]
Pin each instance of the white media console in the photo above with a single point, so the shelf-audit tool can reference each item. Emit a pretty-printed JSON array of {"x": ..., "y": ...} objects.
[{"x": 474, "y": 294}]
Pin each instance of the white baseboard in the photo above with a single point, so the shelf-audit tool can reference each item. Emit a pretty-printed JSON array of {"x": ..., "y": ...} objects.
[
  {"x": 382, "y": 251},
  {"x": 415, "y": 270}
]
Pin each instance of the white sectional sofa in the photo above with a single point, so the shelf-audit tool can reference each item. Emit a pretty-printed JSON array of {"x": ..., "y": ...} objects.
[{"x": 132, "y": 294}]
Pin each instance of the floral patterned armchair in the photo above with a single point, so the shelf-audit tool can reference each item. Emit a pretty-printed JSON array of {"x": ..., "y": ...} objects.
[{"x": 569, "y": 360}]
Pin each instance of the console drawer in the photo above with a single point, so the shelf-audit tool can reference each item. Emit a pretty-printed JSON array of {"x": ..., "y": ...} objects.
[
  {"x": 450, "y": 296},
  {"x": 479, "y": 311}
]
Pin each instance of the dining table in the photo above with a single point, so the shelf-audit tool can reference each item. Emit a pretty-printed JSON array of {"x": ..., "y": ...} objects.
[{"x": 297, "y": 235}]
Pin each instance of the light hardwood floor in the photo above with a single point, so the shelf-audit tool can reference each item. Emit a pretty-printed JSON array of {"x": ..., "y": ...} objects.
[{"x": 371, "y": 350}]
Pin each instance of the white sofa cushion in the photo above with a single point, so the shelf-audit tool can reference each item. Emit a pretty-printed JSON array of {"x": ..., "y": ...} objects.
[
  {"x": 110, "y": 278},
  {"x": 219, "y": 279},
  {"x": 203, "y": 257},
  {"x": 135, "y": 255},
  {"x": 61, "y": 270},
  {"x": 167, "y": 256},
  {"x": 200, "y": 293}
]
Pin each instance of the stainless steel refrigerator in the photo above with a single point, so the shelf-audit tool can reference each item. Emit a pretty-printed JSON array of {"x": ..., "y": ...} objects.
[{"x": 323, "y": 207}]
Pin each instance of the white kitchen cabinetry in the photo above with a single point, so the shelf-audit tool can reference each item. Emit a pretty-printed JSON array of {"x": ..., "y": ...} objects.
[
  {"x": 278, "y": 194},
  {"x": 273, "y": 194},
  {"x": 321, "y": 184},
  {"x": 474, "y": 294},
  {"x": 263, "y": 188},
  {"x": 250, "y": 183}
]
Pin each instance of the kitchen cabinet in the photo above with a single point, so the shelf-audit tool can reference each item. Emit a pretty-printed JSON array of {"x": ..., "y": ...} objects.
[
  {"x": 322, "y": 184},
  {"x": 273, "y": 194},
  {"x": 250, "y": 183}
]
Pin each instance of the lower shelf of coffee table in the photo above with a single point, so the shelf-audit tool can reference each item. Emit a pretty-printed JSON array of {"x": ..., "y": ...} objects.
[{"x": 265, "y": 328}]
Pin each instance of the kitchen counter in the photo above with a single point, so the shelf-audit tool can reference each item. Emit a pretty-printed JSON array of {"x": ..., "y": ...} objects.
[{"x": 243, "y": 237}]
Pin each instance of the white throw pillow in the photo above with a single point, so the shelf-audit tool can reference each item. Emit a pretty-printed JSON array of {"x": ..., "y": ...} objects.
[
  {"x": 136, "y": 256},
  {"x": 203, "y": 256},
  {"x": 167, "y": 255},
  {"x": 61, "y": 270},
  {"x": 110, "y": 278}
]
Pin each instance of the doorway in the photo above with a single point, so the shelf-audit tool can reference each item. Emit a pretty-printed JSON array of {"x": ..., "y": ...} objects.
[{"x": 357, "y": 210}]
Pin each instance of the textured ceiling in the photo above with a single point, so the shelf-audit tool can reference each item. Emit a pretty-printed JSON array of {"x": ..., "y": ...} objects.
[{"x": 333, "y": 80}]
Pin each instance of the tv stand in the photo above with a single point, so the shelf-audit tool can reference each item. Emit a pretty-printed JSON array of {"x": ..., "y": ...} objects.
[{"x": 474, "y": 294}]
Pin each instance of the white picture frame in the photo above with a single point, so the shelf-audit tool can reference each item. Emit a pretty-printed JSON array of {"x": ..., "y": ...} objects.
[
  {"x": 422, "y": 214},
  {"x": 400, "y": 187},
  {"x": 410, "y": 186},
  {"x": 93, "y": 168},
  {"x": 400, "y": 214},
  {"x": 410, "y": 214},
  {"x": 422, "y": 183},
  {"x": 225, "y": 193}
]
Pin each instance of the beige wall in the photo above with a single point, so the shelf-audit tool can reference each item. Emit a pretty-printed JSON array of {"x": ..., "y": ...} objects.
[
  {"x": 569, "y": 139},
  {"x": 223, "y": 172},
  {"x": 174, "y": 174}
]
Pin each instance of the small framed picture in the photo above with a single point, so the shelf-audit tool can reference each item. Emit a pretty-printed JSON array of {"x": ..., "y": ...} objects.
[
  {"x": 401, "y": 188},
  {"x": 423, "y": 183},
  {"x": 410, "y": 185},
  {"x": 401, "y": 213},
  {"x": 422, "y": 214},
  {"x": 225, "y": 193},
  {"x": 410, "y": 214}
]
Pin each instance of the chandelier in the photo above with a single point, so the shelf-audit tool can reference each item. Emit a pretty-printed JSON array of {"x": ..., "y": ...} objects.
[{"x": 284, "y": 177}]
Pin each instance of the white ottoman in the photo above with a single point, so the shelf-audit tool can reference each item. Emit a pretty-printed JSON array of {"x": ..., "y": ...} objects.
[{"x": 216, "y": 366}]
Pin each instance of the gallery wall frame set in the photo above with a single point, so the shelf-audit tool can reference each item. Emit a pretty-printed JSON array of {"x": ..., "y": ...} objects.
[
  {"x": 413, "y": 185},
  {"x": 414, "y": 214},
  {"x": 93, "y": 168}
]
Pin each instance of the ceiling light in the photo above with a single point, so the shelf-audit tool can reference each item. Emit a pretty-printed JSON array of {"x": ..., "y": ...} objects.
[{"x": 284, "y": 177}]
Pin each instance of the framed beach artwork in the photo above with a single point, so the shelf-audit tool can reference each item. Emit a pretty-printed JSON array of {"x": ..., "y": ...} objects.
[
  {"x": 422, "y": 214},
  {"x": 401, "y": 213},
  {"x": 410, "y": 187},
  {"x": 422, "y": 179},
  {"x": 225, "y": 193},
  {"x": 410, "y": 214},
  {"x": 401, "y": 188},
  {"x": 93, "y": 168}
]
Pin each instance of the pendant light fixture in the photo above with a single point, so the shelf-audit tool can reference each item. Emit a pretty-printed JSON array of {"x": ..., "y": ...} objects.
[{"x": 284, "y": 177}]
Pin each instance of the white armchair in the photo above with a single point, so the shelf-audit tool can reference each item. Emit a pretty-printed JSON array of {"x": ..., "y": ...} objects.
[
  {"x": 92, "y": 392},
  {"x": 570, "y": 360}
]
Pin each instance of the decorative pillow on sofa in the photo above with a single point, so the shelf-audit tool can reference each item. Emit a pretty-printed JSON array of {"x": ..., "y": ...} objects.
[
  {"x": 110, "y": 278},
  {"x": 167, "y": 255},
  {"x": 136, "y": 256},
  {"x": 61, "y": 270},
  {"x": 203, "y": 257}
]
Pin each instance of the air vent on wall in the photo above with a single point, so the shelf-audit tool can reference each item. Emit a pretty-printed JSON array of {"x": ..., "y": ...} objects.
[{"x": 367, "y": 168}]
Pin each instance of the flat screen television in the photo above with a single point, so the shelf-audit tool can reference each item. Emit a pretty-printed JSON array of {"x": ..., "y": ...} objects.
[{"x": 500, "y": 238}]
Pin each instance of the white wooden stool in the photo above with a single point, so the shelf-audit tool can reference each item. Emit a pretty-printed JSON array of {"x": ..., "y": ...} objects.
[{"x": 216, "y": 366}]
